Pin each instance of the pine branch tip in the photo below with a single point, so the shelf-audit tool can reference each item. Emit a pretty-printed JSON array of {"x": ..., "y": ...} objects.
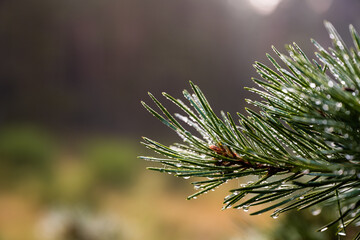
[
  {"x": 327, "y": 23},
  {"x": 304, "y": 121},
  {"x": 145, "y": 138}
]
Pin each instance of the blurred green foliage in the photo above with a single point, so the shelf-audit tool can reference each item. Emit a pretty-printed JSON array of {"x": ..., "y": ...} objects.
[
  {"x": 60, "y": 171},
  {"x": 111, "y": 162},
  {"x": 25, "y": 151}
]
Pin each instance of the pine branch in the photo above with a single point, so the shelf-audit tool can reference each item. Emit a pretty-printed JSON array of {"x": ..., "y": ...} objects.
[{"x": 303, "y": 144}]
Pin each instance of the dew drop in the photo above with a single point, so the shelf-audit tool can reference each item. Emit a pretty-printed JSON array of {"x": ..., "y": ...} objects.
[
  {"x": 181, "y": 117},
  {"x": 312, "y": 85},
  {"x": 275, "y": 215},
  {"x": 324, "y": 229},
  {"x": 227, "y": 197},
  {"x": 339, "y": 172},
  {"x": 246, "y": 208},
  {"x": 342, "y": 233},
  {"x": 329, "y": 129},
  {"x": 340, "y": 45},
  {"x": 317, "y": 102},
  {"x": 331, "y": 83},
  {"x": 353, "y": 171},
  {"x": 186, "y": 177},
  {"x": 178, "y": 165},
  {"x": 225, "y": 207},
  {"x": 325, "y": 107},
  {"x": 316, "y": 211}
]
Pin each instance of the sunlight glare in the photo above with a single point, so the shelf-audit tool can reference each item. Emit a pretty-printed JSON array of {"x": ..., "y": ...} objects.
[{"x": 264, "y": 7}]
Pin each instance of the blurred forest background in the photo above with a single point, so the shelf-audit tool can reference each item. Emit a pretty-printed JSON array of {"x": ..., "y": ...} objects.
[{"x": 72, "y": 75}]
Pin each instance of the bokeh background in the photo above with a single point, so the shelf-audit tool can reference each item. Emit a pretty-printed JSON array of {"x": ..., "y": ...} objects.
[{"x": 72, "y": 75}]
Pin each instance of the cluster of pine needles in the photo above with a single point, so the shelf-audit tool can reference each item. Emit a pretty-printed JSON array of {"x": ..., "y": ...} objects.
[{"x": 302, "y": 142}]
